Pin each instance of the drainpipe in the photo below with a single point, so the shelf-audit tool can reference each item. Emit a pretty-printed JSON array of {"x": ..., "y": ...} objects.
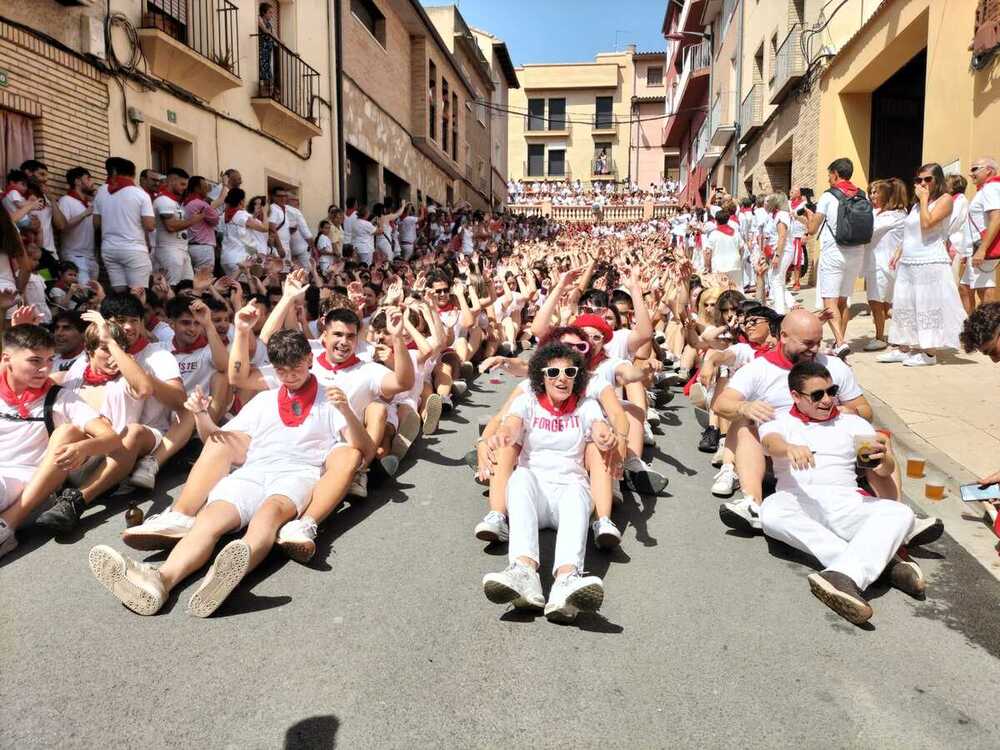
[
  {"x": 739, "y": 93},
  {"x": 338, "y": 83}
]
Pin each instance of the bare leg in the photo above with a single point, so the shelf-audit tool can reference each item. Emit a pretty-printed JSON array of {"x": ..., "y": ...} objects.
[
  {"x": 831, "y": 305},
  {"x": 276, "y": 511},
  {"x": 175, "y": 438},
  {"x": 216, "y": 460},
  {"x": 329, "y": 492},
  {"x": 137, "y": 441},
  {"x": 635, "y": 429},
  {"x": 600, "y": 482},
  {"x": 46, "y": 479},
  {"x": 504, "y": 467},
  {"x": 443, "y": 378},
  {"x": 194, "y": 549},
  {"x": 376, "y": 414},
  {"x": 749, "y": 454}
]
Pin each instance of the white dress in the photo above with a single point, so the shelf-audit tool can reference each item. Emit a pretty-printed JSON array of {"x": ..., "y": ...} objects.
[
  {"x": 887, "y": 236},
  {"x": 927, "y": 312}
]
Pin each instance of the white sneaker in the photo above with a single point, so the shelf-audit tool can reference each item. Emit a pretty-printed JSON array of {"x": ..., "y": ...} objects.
[
  {"x": 459, "y": 388},
  {"x": 606, "y": 533},
  {"x": 924, "y": 531},
  {"x": 297, "y": 539},
  {"x": 919, "y": 359},
  {"x": 136, "y": 585},
  {"x": 446, "y": 404},
  {"x": 518, "y": 584},
  {"x": 652, "y": 417},
  {"x": 229, "y": 568},
  {"x": 641, "y": 478},
  {"x": 144, "y": 473},
  {"x": 648, "y": 438},
  {"x": 359, "y": 485},
  {"x": 432, "y": 414},
  {"x": 726, "y": 481},
  {"x": 720, "y": 455},
  {"x": 893, "y": 355},
  {"x": 876, "y": 345},
  {"x": 159, "y": 531},
  {"x": 493, "y": 528},
  {"x": 741, "y": 514},
  {"x": 8, "y": 542},
  {"x": 573, "y": 593}
]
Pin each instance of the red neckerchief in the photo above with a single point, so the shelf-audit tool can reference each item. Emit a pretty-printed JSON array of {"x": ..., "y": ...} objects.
[
  {"x": 978, "y": 187},
  {"x": 777, "y": 357},
  {"x": 92, "y": 377},
  {"x": 77, "y": 196},
  {"x": 27, "y": 396},
  {"x": 230, "y": 213},
  {"x": 60, "y": 284},
  {"x": 745, "y": 210},
  {"x": 337, "y": 367},
  {"x": 118, "y": 182},
  {"x": 447, "y": 308},
  {"x": 596, "y": 360},
  {"x": 797, "y": 202},
  {"x": 568, "y": 406},
  {"x": 847, "y": 187},
  {"x": 726, "y": 230},
  {"x": 759, "y": 350},
  {"x": 199, "y": 343},
  {"x": 140, "y": 343},
  {"x": 806, "y": 419},
  {"x": 293, "y": 408},
  {"x": 411, "y": 345},
  {"x": 351, "y": 212},
  {"x": 152, "y": 321},
  {"x": 171, "y": 196}
]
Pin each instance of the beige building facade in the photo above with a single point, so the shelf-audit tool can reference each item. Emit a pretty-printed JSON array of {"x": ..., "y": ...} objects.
[
  {"x": 202, "y": 88},
  {"x": 504, "y": 79}
]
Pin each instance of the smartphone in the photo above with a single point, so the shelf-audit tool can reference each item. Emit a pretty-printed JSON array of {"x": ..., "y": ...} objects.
[{"x": 973, "y": 492}]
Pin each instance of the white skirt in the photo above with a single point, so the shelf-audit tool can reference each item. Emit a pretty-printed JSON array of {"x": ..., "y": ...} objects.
[{"x": 927, "y": 312}]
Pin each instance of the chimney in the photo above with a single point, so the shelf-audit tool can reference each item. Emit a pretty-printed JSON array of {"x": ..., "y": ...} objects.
[{"x": 630, "y": 48}]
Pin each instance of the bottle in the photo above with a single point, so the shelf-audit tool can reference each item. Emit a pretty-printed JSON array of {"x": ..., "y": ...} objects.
[{"x": 133, "y": 515}]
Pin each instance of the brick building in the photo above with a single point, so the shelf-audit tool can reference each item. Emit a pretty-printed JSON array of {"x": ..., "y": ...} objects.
[{"x": 504, "y": 79}]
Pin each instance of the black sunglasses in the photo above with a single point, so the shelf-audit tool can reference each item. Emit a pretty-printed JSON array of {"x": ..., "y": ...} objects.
[
  {"x": 925, "y": 180},
  {"x": 553, "y": 372},
  {"x": 817, "y": 396}
]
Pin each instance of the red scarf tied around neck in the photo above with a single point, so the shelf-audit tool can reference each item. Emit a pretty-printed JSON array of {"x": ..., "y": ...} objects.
[
  {"x": 229, "y": 214},
  {"x": 726, "y": 230},
  {"x": 77, "y": 196},
  {"x": 93, "y": 377},
  {"x": 27, "y": 397},
  {"x": 293, "y": 408},
  {"x": 335, "y": 366},
  {"x": 117, "y": 182},
  {"x": 140, "y": 343},
  {"x": 164, "y": 191},
  {"x": 195, "y": 345},
  {"x": 568, "y": 406},
  {"x": 847, "y": 187},
  {"x": 991, "y": 179},
  {"x": 806, "y": 419},
  {"x": 778, "y": 358}
]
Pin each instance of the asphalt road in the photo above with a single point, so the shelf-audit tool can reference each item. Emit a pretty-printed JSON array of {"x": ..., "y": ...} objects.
[{"x": 706, "y": 639}]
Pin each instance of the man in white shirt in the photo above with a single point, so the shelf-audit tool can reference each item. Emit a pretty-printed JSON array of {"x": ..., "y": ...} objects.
[
  {"x": 982, "y": 227},
  {"x": 49, "y": 216},
  {"x": 301, "y": 239},
  {"x": 350, "y": 216},
  {"x": 171, "y": 253},
  {"x": 123, "y": 214},
  {"x": 819, "y": 508},
  {"x": 278, "y": 222},
  {"x": 78, "y": 241},
  {"x": 364, "y": 236}
]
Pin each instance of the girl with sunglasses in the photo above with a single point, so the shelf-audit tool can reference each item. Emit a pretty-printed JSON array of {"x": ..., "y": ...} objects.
[
  {"x": 927, "y": 313},
  {"x": 550, "y": 488}
]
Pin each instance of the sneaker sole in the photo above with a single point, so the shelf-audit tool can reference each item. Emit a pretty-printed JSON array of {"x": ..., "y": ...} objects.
[
  {"x": 8, "y": 545},
  {"x": 607, "y": 541},
  {"x": 736, "y": 521},
  {"x": 928, "y": 535},
  {"x": 724, "y": 494},
  {"x": 914, "y": 585},
  {"x": 152, "y": 540},
  {"x": 390, "y": 464},
  {"x": 227, "y": 571},
  {"x": 499, "y": 593},
  {"x": 588, "y": 599},
  {"x": 299, "y": 551},
  {"x": 645, "y": 482},
  {"x": 108, "y": 568},
  {"x": 846, "y": 606},
  {"x": 487, "y": 534},
  {"x": 142, "y": 482},
  {"x": 432, "y": 414}
]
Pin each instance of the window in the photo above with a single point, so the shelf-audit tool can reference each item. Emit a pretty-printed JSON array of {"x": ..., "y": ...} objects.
[
  {"x": 557, "y": 162},
  {"x": 536, "y": 114},
  {"x": 432, "y": 98},
  {"x": 371, "y": 18},
  {"x": 536, "y": 160},
  {"x": 774, "y": 58},
  {"x": 557, "y": 114},
  {"x": 603, "y": 120},
  {"x": 444, "y": 115},
  {"x": 161, "y": 153},
  {"x": 654, "y": 76},
  {"x": 454, "y": 126}
]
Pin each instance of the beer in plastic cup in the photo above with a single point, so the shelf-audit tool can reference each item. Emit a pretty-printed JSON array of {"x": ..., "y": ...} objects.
[
  {"x": 915, "y": 467},
  {"x": 864, "y": 445},
  {"x": 934, "y": 487}
]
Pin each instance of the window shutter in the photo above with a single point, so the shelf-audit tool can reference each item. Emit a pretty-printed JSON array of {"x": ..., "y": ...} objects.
[{"x": 176, "y": 9}]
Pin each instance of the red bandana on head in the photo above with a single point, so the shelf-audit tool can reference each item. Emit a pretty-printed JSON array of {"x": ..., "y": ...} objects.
[
  {"x": 93, "y": 377},
  {"x": 334, "y": 366},
  {"x": 568, "y": 406},
  {"x": 293, "y": 408},
  {"x": 199, "y": 343},
  {"x": 140, "y": 343},
  {"x": 118, "y": 182},
  {"x": 777, "y": 357},
  {"x": 27, "y": 397},
  {"x": 806, "y": 419}
]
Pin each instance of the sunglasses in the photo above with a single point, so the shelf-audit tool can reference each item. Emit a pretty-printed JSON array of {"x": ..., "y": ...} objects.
[
  {"x": 924, "y": 180},
  {"x": 976, "y": 169},
  {"x": 441, "y": 291},
  {"x": 581, "y": 346},
  {"x": 817, "y": 396},
  {"x": 751, "y": 322},
  {"x": 594, "y": 310},
  {"x": 554, "y": 372}
]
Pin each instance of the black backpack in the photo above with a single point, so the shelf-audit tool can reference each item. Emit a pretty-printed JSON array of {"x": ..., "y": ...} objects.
[
  {"x": 47, "y": 406},
  {"x": 855, "y": 219}
]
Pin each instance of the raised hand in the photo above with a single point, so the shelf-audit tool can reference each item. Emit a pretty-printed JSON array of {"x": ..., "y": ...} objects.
[
  {"x": 25, "y": 315},
  {"x": 394, "y": 321},
  {"x": 103, "y": 327},
  {"x": 201, "y": 313},
  {"x": 296, "y": 284},
  {"x": 247, "y": 316},
  {"x": 197, "y": 402},
  {"x": 339, "y": 400}
]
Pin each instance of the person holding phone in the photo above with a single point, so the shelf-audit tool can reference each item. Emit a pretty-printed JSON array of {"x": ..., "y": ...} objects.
[{"x": 981, "y": 333}]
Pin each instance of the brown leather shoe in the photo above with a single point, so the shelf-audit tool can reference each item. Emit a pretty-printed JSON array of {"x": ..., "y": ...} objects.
[
  {"x": 906, "y": 576},
  {"x": 841, "y": 594}
]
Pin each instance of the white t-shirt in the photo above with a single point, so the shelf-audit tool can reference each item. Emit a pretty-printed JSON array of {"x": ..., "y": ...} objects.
[
  {"x": 362, "y": 382},
  {"x": 408, "y": 229},
  {"x": 80, "y": 239},
  {"x": 828, "y": 205},
  {"x": 832, "y": 444},
  {"x": 235, "y": 239},
  {"x": 301, "y": 236},
  {"x": 166, "y": 207},
  {"x": 771, "y": 229},
  {"x": 121, "y": 215},
  {"x": 725, "y": 251},
  {"x": 762, "y": 380},
  {"x": 117, "y": 403},
  {"x": 64, "y": 364},
  {"x": 617, "y": 348},
  {"x": 23, "y": 441},
  {"x": 278, "y": 216},
  {"x": 34, "y": 294},
  {"x": 196, "y": 368},
  {"x": 364, "y": 240},
  {"x": 553, "y": 445},
  {"x": 275, "y": 444},
  {"x": 349, "y": 222},
  {"x": 987, "y": 198}
]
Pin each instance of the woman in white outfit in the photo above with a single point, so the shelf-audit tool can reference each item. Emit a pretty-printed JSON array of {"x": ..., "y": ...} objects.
[
  {"x": 777, "y": 238},
  {"x": 238, "y": 228},
  {"x": 550, "y": 487},
  {"x": 889, "y": 200},
  {"x": 927, "y": 313}
]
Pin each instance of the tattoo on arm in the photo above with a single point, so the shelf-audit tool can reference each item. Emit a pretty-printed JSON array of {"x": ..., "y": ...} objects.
[{"x": 238, "y": 366}]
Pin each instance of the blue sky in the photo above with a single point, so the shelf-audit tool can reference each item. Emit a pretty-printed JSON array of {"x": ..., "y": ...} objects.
[{"x": 538, "y": 31}]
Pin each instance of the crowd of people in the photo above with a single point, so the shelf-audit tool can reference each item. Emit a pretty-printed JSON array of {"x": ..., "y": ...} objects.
[
  {"x": 297, "y": 362},
  {"x": 596, "y": 193}
]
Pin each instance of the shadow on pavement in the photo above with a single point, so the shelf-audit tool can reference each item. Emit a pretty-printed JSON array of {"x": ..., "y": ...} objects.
[{"x": 314, "y": 733}]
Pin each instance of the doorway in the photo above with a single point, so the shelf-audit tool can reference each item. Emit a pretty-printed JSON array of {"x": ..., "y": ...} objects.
[{"x": 897, "y": 133}]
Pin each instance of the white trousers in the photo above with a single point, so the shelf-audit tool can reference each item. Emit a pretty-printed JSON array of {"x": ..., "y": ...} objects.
[
  {"x": 533, "y": 504},
  {"x": 202, "y": 256},
  {"x": 844, "y": 530},
  {"x": 175, "y": 263},
  {"x": 776, "y": 279}
]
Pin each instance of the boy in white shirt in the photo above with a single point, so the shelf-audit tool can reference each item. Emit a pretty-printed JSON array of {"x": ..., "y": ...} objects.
[
  {"x": 172, "y": 254},
  {"x": 202, "y": 356},
  {"x": 290, "y": 432},
  {"x": 45, "y": 431},
  {"x": 123, "y": 214},
  {"x": 818, "y": 507},
  {"x": 78, "y": 240}
]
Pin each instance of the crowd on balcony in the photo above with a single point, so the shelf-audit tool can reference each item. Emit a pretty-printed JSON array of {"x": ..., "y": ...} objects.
[
  {"x": 598, "y": 192},
  {"x": 300, "y": 363}
]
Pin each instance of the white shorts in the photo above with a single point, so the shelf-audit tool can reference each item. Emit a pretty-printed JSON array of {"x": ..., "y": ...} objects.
[
  {"x": 13, "y": 480},
  {"x": 127, "y": 268},
  {"x": 175, "y": 264},
  {"x": 838, "y": 270},
  {"x": 249, "y": 486},
  {"x": 984, "y": 277},
  {"x": 202, "y": 256},
  {"x": 157, "y": 437}
]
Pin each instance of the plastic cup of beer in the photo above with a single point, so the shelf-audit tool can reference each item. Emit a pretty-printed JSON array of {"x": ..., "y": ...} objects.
[
  {"x": 864, "y": 446},
  {"x": 915, "y": 466},
  {"x": 934, "y": 487}
]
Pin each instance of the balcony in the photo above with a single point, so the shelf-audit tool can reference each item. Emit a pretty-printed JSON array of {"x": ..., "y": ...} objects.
[
  {"x": 287, "y": 93},
  {"x": 535, "y": 127},
  {"x": 751, "y": 113},
  {"x": 538, "y": 172},
  {"x": 705, "y": 154},
  {"x": 604, "y": 123},
  {"x": 603, "y": 169},
  {"x": 194, "y": 44},
  {"x": 690, "y": 93},
  {"x": 789, "y": 66},
  {"x": 723, "y": 125}
]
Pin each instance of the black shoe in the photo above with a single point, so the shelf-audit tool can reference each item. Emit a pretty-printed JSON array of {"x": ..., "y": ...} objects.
[
  {"x": 906, "y": 576},
  {"x": 506, "y": 350},
  {"x": 925, "y": 531},
  {"x": 65, "y": 514},
  {"x": 662, "y": 397},
  {"x": 709, "y": 440},
  {"x": 472, "y": 459},
  {"x": 841, "y": 594}
]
